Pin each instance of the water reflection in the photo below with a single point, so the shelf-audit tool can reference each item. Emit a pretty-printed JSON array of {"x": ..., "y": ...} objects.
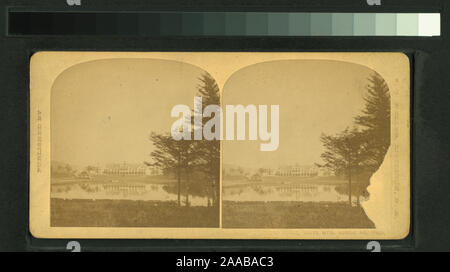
[
  {"x": 298, "y": 192},
  {"x": 112, "y": 191}
]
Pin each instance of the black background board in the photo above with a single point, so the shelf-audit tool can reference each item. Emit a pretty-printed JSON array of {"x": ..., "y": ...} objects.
[{"x": 430, "y": 63}]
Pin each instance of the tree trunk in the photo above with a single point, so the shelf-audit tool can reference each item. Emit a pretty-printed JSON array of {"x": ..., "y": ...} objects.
[
  {"x": 215, "y": 194},
  {"x": 350, "y": 187},
  {"x": 179, "y": 185},
  {"x": 357, "y": 195},
  {"x": 179, "y": 179},
  {"x": 187, "y": 189}
]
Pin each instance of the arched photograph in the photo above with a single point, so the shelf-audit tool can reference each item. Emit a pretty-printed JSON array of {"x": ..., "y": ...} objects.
[
  {"x": 334, "y": 132},
  {"x": 113, "y": 160},
  {"x": 219, "y": 145}
]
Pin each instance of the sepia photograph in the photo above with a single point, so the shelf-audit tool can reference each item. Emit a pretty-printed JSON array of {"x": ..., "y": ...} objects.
[
  {"x": 257, "y": 127},
  {"x": 219, "y": 145},
  {"x": 334, "y": 133},
  {"x": 113, "y": 160}
]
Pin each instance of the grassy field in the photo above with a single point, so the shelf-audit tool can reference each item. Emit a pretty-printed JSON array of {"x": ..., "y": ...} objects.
[
  {"x": 129, "y": 213},
  {"x": 293, "y": 215}
]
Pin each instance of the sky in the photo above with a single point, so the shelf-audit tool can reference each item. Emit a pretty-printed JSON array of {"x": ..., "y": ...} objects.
[
  {"x": 104, "y": 111},
  {"x": 314, "y": 97}
]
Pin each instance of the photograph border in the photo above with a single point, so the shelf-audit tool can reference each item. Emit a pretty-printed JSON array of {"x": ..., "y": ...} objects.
[{"x": 56, "y": 62}]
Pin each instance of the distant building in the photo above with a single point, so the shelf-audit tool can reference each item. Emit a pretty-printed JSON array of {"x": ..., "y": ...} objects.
[
  {"x": 298, "y": 171},
  {"x": 127, "y": 169},
  {"x": 284, "y": 171}
]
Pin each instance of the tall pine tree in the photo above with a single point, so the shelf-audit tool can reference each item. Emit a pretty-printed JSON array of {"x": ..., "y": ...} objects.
[
  {"x": 375, "y": 120},
  {"x": 359, "y": 152},
  {"x": 209, "y": 149}
]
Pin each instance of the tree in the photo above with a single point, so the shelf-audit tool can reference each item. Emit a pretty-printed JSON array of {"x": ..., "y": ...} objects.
[
  {"x": 172, "y": 157},
  {"x": 209, "y": 150},
  {"x": 375, "y": 125},
  {"x": 375, "y": 120},
  {"x": 359, "y": 152},
  {"x": 61, "y": 170},
  {"x": 193, "y": 160},
  {"x": 345, "y": 155}
]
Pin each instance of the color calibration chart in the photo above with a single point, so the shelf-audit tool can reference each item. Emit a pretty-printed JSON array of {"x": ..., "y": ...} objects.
[{"x": 224, "y": 24}]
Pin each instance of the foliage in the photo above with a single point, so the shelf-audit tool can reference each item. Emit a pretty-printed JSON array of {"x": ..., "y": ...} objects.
[
  {"x": 59, "y": 170},
  {"x": 358, "y": 152},
  {"x": 196, "y": 162}
]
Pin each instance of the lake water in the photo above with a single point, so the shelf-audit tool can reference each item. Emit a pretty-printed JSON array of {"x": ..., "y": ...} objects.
[
  {"x": 297, "y": 192},
  {"x": 157, "y": 192},
  {"x": 112, "y": 191}
]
